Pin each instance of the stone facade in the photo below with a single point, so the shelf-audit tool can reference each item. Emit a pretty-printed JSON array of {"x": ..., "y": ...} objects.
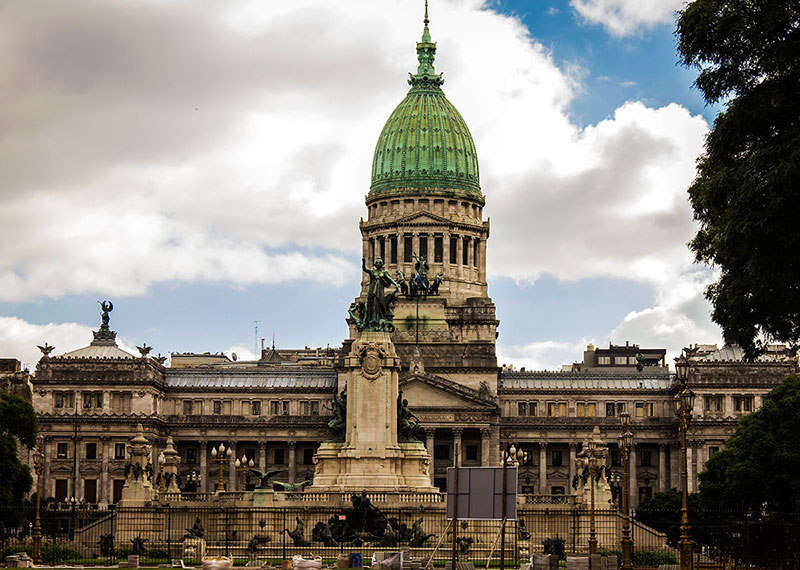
[{"x": 425, "y": 201}]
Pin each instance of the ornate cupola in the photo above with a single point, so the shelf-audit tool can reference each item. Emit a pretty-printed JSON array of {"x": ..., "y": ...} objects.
[
  {"x": 425, "y": 146},
  {"x": 425, "y": 223}
]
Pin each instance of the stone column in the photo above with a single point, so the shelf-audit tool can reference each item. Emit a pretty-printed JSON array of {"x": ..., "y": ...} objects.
[
  {"x": 634, "y": 488},
  {"x": 486, "y": 435},
  {"x": 662, "y": 467},
  {"x": 203, "y": 466},
  {"x": 573, "y": 449},
  {"x": 459, "y": 254},
  {"x": 446, "y": 252},
  {"x": 543, "y": 468},
  {"x": 231, "y": 486},
  {"x": 415, "y": 244},
  {"x": 457, "y": 433},
  {"x": 482, "y": 261},
  {"x": 78, "y": 478},
  {"x": 104, "y": 493},
  {"x": 48, "y": 487},
  {"x": 262, "y": 457},
  {"x": 430, "y": 434},
  {"x": 292, "y": 461},
  {"x": 401, "y": 252}
]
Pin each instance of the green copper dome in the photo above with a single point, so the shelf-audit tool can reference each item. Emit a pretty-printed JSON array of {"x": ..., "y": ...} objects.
[{"x": 425, "y": 143}]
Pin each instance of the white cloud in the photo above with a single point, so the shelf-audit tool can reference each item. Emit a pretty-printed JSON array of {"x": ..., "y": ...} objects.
[
  {"x": 626, "y": 17},
  {"x": 162, "y": 142},
  {"x": 19, "y": 339},
  {"x": 544, "y": 355}
]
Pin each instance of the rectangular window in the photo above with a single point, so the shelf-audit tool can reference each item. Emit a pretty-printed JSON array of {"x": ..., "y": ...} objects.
[
  {"x": 61, "y": 490},
  {"x": 621, "y": 407},
  {"x": 285, "y": 407},
  {"x": 61, "y": 450},
  {"x": 187, "y": 407},
  {"x": 438, "y": 249},
  {"x": 713, "y": 403},
  {"x": 217, "y": 407},
  {"x": 304, "y": 408},
  {"x": 255, "y": 408},
  {"x": 611, "y": 409},
  {"x": 556, "y": 409},
  {"x": 91, "y": 451},
  {"x": 644, "y": 409},
  {"x": 616, "y": 458},
  {"x": 279, "y": 456},
  {"x": 522, "y": 409},
  {"x": 423, "y": 246},
  {"x": 393, "y": 249},
  {"x": 556, "y": 458},
  {"x": 712, "y": 450},
  {"x": 315, "y": 408},
  {"x": 475, "y": 252},
  {"x": 603, "y": 360},
  {"x": 620, "y": 360},
  {"x": 382, "y": 248},
  {"x": 532, "y": 409},
  {"x": 465, "y": 252},
  {"x": 308, "y": 457},
  {"x": 63, "y": 399},
  {"x": 90, "y": 490},
  {"x": 191, "y": 455},
  {"x": 743, "y": 403},
  {"x": 586, "y": 409},
  {"x": 453, "y": 250},
  {"x": 87, "y": 401},
  {"x": 408, "y": 249},
  {"x": 441, "y": 452},
  {"x": 472, "y": 452},
  {"x": 274, "y": 408},
  {"x": 119, "y": 451},
  {"x": 646, "y": 458}
]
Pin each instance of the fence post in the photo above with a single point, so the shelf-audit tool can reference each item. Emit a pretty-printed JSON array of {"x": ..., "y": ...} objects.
[
  {"x": 227, "y": 545},
  {"x": 283, "y": 534},
  {"x": 574, "y": 530},
  {"x": 169, "y": 534}
]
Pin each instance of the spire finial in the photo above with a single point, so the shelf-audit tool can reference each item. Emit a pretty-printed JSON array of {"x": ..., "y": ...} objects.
[{"x": 426, "y": 51}]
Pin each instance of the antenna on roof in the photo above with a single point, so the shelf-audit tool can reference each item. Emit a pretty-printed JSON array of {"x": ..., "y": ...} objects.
[{"x": 255, "y": 340}]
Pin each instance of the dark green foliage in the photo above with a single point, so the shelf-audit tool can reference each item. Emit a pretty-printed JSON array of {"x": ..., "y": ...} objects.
[
  {"x": 662, "y": 512},
  {"x": 746, "y": 194},
  {"x": 758, "y": 469},
  {"x": 17, "y": 420}
]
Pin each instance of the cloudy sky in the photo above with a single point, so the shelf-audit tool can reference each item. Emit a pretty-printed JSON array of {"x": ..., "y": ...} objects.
[{"x": 204, "y": 164}]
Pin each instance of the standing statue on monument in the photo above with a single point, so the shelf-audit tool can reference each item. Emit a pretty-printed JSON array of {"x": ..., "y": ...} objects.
[
  {"x": 338, "y": 425},
  {"x": 422, "y": 272},
  {"x": 379, "y": 304},
  {"x": 106, "y": 307},
  {"x": 407, "y": 422}
]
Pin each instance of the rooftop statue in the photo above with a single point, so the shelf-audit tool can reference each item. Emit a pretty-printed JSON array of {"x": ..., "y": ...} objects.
[{"x": 106, "y": 307}]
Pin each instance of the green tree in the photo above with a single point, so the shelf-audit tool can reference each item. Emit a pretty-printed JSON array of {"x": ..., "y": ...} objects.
[
  {"x": 17, "y": 423},
  {"x": 662, "y": 512},
  {"x": 746, "y": 195},
  {"x": 758, "y": 469}
]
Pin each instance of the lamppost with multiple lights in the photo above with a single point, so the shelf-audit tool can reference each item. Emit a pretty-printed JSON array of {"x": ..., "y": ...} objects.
[
  {"x": 684, "y": 404},
  {"x": 194, "y": 479},
  {"x": 591, "y": 449},
  {"x": 220, "y": 455},
  {"x": 511, "y": 458},
  {"x": 625, "y": 442},
  {"x": 38, "y": 467},
  {"x": 242, "y": 465}
]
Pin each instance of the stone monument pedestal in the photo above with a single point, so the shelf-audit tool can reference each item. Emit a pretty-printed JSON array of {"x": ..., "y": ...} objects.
[{"x": 371, "y": 457}]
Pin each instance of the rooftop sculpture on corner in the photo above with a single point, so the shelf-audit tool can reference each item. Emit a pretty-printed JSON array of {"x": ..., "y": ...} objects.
[
  {"x": 46, "y": 349},
  {"x": 104, "y": 335}
]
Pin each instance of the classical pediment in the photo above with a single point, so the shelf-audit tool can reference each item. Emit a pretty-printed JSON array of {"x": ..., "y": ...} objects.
[
  {"x": 423, "y": 218},
  {"x": 430, "y": 391}
]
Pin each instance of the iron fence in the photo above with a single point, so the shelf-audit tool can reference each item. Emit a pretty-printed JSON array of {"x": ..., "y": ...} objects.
[{"x": 159, "y": 534}]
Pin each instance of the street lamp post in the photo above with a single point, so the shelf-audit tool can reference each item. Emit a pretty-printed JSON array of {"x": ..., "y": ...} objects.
[
  {"x": 242, "y": 465},
  {"x": 72, "y": 503},
  {"x": 591, "y": 452},
  {"x": 220, "y": 455},
  {"x": 194, "y": 478},
  {"x": 684, "y": 404},
  {"x": 38, "y": 466},
  {"x": 625, "y": 441},
  {"x": 511, "y": 458}
]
